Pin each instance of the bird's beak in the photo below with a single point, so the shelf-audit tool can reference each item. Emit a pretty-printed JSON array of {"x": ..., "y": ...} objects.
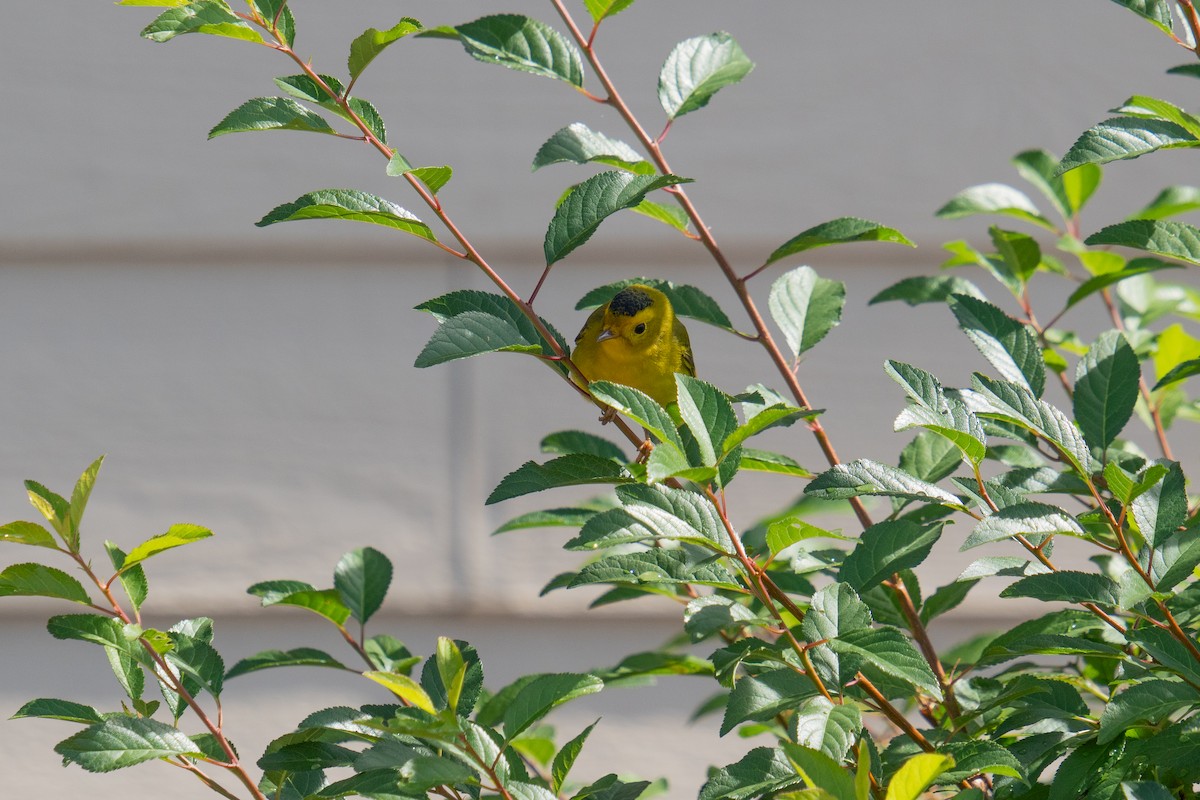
[{"x": 607, "y": 333}]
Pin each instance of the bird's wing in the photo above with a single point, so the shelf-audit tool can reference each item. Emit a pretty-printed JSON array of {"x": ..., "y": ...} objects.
[
  {"x": 688, "y": 362},
  {"x": 595, "y": 317}
]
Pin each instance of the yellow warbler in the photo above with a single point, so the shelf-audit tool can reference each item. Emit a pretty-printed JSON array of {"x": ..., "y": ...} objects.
[{"x": 636, "y": 340}]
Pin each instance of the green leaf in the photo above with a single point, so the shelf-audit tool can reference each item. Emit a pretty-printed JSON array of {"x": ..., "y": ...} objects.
[
  {"x": 642, "y": 409},
  {"x": 821, "y": 772},
  {"x": 271, "y": 114},
  {"x": 697, "y": 69},
  {"x": 197, "y": 659},
  {"x": 566, "y": 442},
  {"x": 652, "y": 513},
  {"x": 306, "y": 755},
  {"x": 29, "y": 533},
  {"x": 932, "y": 410},
  {"x": 472, "y": 333},
  {"x": 565, "y": 758},
  {"x": 206, "y": 16},
  {"x": 1066, "y": 585},
  {"x": 827, "y": 727},
  {"x": 549, "y": 518},
  {"x": 806, "y": 307},
  {"x": 654, "y": 567},
  {"x": 1180, "y": 372},
  {"x": 123, "y": 742},
  {"x": 891, "y": 652},
  {"x": 1145, "y": 790},
  {"x": 708, "y": 414},
  {"x": 405, "y": 688},
  {"x": 916, "y": 775},
  {"x": 38, "y": 580},
  {"x": 591, "y": 202},
  {"x": 687, "y": 301},
  {"x": 1017, "y": 404},
  {"x": 55, "y": 509},
  {"x": 600, "y": 10},
  {"x": 1019, "y": 252},
  {"x": 776, "y": 463},
  {"x": 93, "y": 628},
  {"x": 1161, "y": 237},
  {"x": 269, "y": 659},
  {"x": 523, "y": 44},
  {"x": 51, "y": 708},
  {"x": 884, "y": 549},
  {"x": 542, "y": 694},
  {"x": 1163, "y": 508},
  {"x": 348, "y": 204},
  {"x": 838, "y": 231},
  {"x": 866, "y": 477},
  {"x": 372, "y": 42},
  {"x": 176, "y": 536},
  {"x": 1023, "y": 519},
  {"x": 1150, "y": 702},
  {"x": 1008, "y": 345},
  {"x": 927, "y": 289},
  {"x": 1106, "y": 389},
  {"x": 326, "y": 603},
  {"x": 81, "y": 493},
  {"x": 1171, "y": 201},
  {"x": 1166, "y": 650},
  {"x": 775, "y": 415},
  {"x": 979, "y": 756},
  {"x": 579, "y": 144},
  {"x": 327, "y": 93},
  {"x": 462, "y": 301},
  {"x": 1138, "y": 266},
  {"x": 1038, "y": 167},
  {"x": 993, "y": 198},
  {"x": 759, "y": 773},
  {"x": 575, "y": 469},
  {"x": 362, "y": 578},
  {"x": 672, "y": 216},
  {"x": 1122, "y": 138},
  {"x": 1153, "y": 108},
  {"x": 451, "y": 669}
]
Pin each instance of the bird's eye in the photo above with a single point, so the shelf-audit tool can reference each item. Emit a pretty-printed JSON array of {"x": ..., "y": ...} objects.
[{"x": 640, "y": 328}]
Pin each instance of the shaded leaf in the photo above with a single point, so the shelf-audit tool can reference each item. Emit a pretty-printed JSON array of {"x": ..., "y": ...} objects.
[
  {"x": 569, "y": 470},
  {"x": 838, "y": 231},
  {"x": 362, "y": 578},
  {"x": 269, "y": 659},
  {"x": 1106, "y": 389}
]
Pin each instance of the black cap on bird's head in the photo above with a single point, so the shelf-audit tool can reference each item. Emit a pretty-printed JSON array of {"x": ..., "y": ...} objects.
[{"x": 629, "y": 301}]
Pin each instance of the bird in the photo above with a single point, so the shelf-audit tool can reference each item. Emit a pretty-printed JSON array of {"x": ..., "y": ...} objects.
[{"x": 636, "y": 340}]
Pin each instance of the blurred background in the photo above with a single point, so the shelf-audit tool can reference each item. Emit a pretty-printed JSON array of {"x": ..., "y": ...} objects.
[{"x": 259, "y": 381}]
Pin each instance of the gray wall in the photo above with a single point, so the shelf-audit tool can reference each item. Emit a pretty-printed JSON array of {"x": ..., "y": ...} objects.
[{"x": 259, "y": 382}]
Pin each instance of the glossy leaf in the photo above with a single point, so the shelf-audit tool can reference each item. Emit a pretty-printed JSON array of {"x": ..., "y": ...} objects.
[
  {"x": 206, "y": 16},
  {"x": 642, "y": 409},
  {"x": 472, "y": 333},
  {"x": 579, "y": 144},
  {"x": 362, "y": 578},
  {"x": 993, "y": 198},
  {"x": 1010, "y": 346},
  {"x": 922, "y": 289},
  {"x": 123, "y": 742},
  {"x": 591, "y": 202},
  {"x": 372, "y": 42},
  {"x": 326, "y": 94},
  {"x": 325, "y": 603},
  {"x": 348, "y": 204},
  {"x": 653, "y": 567},
  {"x": 269, "y": 659},
  {"x": 1106, "y": 389},
  {"x": 51, "y": 708},
  {"x": 1017, "y": 404},
  {"x": 1123, "y": 138},
  {"x": 38, "y": 580},
  {"x": 271, "y": 113},
  {"x": 602, "y": 9},
  {"x": 539, "y": 696},
  {"x": 866, "y": 477},
  {"x": 564, "y": 759},
  {"x": 697, "y": 69},
  {"x": 1147, "y": 702},
  {"x": 176, "y": 536},
  {"x": 1066, "y": 585},
  {"x": 1171, "y": 201},
  {"x": 1161, "y": 237},
  {"x": 891, "y": 652},
  {"x": 827, "y": 727},
  {"x": 1022, "y": 519},
  {"x": 838, "y": 231},
  {"x": 1163, "y": 508},
  {"x": 523, "y": 44},
  {"x": 759, "y": 773},
  {"x": 886, "y": 548},
  {"x": 29, "y": 533},
  {"x": 570, "y": 470},
  {"x": 708, "y": 414},
  {"x": 806, "y": 307}
]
